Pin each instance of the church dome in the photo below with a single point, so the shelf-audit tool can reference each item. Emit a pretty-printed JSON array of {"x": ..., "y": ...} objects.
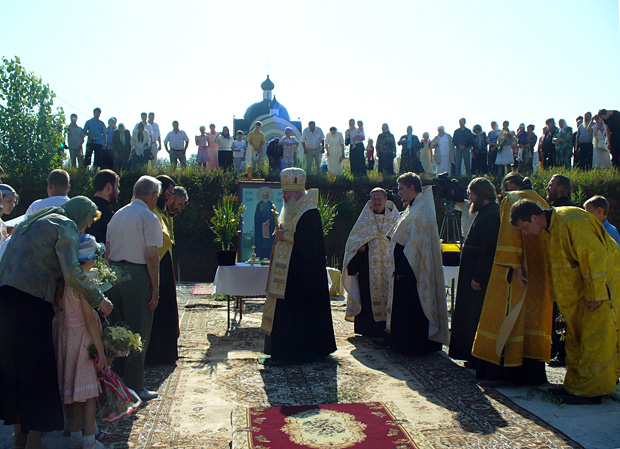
[{"x": 267, "y": 84}]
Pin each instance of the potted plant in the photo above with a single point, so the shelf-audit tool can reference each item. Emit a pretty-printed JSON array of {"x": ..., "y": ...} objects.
[{"x": 225, "y": 225}]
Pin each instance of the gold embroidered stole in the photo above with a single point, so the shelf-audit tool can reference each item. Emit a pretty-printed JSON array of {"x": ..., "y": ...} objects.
[
  {"x": 280, "y": 259},
  {"x": 370, "y": 229}
]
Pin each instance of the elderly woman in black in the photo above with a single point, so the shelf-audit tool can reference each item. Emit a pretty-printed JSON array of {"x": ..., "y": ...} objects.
[{"x": 42, "y": 250}]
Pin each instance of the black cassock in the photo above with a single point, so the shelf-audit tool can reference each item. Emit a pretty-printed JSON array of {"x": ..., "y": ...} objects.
[
  {"x": 477, "y": 257},
  {"x": 409, "y": 325},
  {"x": 302, "y": 326},
  {"x": 365, "y": 323}
]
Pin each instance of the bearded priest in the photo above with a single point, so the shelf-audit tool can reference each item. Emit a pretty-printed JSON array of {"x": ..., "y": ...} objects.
[
  {"x": 417, "y": 315},
  {"x": 366, "y": 273},
  {"x": 297, "y": 319}
]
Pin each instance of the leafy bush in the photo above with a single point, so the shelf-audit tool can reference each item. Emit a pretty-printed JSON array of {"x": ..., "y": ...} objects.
[{"x": 194, "y": 252}]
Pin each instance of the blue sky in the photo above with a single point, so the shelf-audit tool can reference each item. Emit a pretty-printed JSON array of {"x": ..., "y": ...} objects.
[{"x": 402, "y": 62}]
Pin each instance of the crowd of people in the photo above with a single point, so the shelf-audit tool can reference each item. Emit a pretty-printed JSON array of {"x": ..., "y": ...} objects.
[
  {"x": 47, "y": 301},
  {"x": 526, "y": 264},
  {"x": 594, "y": 143}
]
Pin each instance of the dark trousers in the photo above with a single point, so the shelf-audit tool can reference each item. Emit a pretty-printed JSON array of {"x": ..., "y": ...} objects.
[
  {"x": 584, "y": 156},
  {"x": 97, "y": 149},
  {"x": 614, "y": 149},
  {"x": 130, "y": 299},
  {"x": 386, "y": 163},
  {"x": 549, "y": 159},
  {"x": 225, "y": 159}
]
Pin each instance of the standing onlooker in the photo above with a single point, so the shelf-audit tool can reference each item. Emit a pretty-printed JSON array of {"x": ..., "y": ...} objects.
[
  {"x": 386, "y": 150},
  {"x": 426, "y": 155},
  {"x": 238, "y": 148},
  {"x": 601, "y": 156},
  {"x": 163, "y": 349},
  {"x": 140, "y": 143},
  {"x": 410, "y": 153},
  {"x": 43, "y": 250},
  {"x": 212, "y": 148},
  {"x": 492, "y": 140},
  {"x": 108, "y": 151},
  {"x": 134, "y": 234},
  {"x": 463, "y": 142},
  {"x": 224, "y": 143},
  {"x": 505, "y": 156},
  {"x": 354, "y": 137},
  {"x": 178, "y": 145},
  {"x": 256, "y": 142},
  {"x": 599, "y": 207},
  {"x": 479, "y": 151},
  {"x": 202, "y": 142},
  {"x": 370, "y": 155},
  {"x": 106, "y": 185},
  {"x": 75, "y": 140},
  {"x": 563, "y": 144},
  {"x": 155, "y": 139},
  {"x": 313, "y": 142},
  {"x": 548, "y": 146},
  {"x": 334, "y": 144},
  {"x": 274, "y": 155},
  {"x": 444, "y": 151},
  {"x": 476, "y": 264},
  {"x": 9, "y": 200},
  {"x": 585, "y": 147},
  {"x": 612, "y": 125},
  {"x": 97, "y": 138},
  {"x": 121, "y": 146},
  {"x": 526, "y": 150},
  {"x": 145, "y": 123},
  {"x": 58, "y": 186},
  {"x": 289, "y": 146}
]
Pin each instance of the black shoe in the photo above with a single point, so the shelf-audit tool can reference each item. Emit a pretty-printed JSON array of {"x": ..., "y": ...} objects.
[
  {"x": 557, "y": 361},
  {"x": 470, "y": 364},
  {"x": 558, "y": 391},
  {"x": 571, "y": 399}
]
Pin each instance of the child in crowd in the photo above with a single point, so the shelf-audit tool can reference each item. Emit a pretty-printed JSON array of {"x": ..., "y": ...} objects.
[
  {"x": 239, "y": 147},
  {"x": 77, "y": 328},
  {"x": 599, "y": 207},
  {"x": 203, "y": 152},
  {"x": 370, "y": 156}
]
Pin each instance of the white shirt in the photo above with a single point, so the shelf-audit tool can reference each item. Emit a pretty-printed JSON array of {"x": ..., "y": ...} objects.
[
  {"x": 132, "y": 229},
  {"x": 313, "y": 139},
  {"x": 177, "y": 140},
  {"x": 147, "y": 128},
  {"x": 52, "y": 201},
  {"x": 155, "y": 134}
]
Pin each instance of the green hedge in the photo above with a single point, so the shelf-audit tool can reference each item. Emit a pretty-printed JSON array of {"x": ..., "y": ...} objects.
[{"x": 194, "y": 251}]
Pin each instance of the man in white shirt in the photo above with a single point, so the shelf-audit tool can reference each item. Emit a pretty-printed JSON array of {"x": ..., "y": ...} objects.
[
  {"x": 178, "y": 145},
  {"x": 313, "y": 141},
  {"x": 147, "y": 125},
  {"x": 155, "y": 138},
  {"x": 58, "y": 187},
  {"x": 132, "y": 239}
]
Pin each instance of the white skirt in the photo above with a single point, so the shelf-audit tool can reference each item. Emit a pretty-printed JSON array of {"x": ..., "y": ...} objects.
[{"x": 505, "y": 156}]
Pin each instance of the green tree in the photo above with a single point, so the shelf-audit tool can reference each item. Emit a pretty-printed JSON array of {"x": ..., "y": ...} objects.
[{"x": 31, "y": 133}]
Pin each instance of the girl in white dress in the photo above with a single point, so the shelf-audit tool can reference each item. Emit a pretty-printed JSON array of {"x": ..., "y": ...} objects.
[{"x": 600, "y": 157}]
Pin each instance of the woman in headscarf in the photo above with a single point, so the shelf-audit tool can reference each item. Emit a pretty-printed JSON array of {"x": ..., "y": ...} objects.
[
  {"x": 140, "y": 141},
  {"x": 43, "y": 249},
  {"x": 9, "y": 201}
]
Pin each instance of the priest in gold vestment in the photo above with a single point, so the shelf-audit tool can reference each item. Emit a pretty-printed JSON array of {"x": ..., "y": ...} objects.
[
  {"x": 585, "y": 278},
  {"x": 514, "y": 332},
  {"x": 366, "y": 266}
]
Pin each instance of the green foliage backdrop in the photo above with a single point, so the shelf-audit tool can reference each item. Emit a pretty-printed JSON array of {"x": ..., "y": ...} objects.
[
  {"x": 31, "y": 132},
  {"x": 194, "y": 251}
]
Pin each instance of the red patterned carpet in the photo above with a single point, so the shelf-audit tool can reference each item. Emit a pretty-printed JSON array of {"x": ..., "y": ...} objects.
[{"x": 366, "y": 425}]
